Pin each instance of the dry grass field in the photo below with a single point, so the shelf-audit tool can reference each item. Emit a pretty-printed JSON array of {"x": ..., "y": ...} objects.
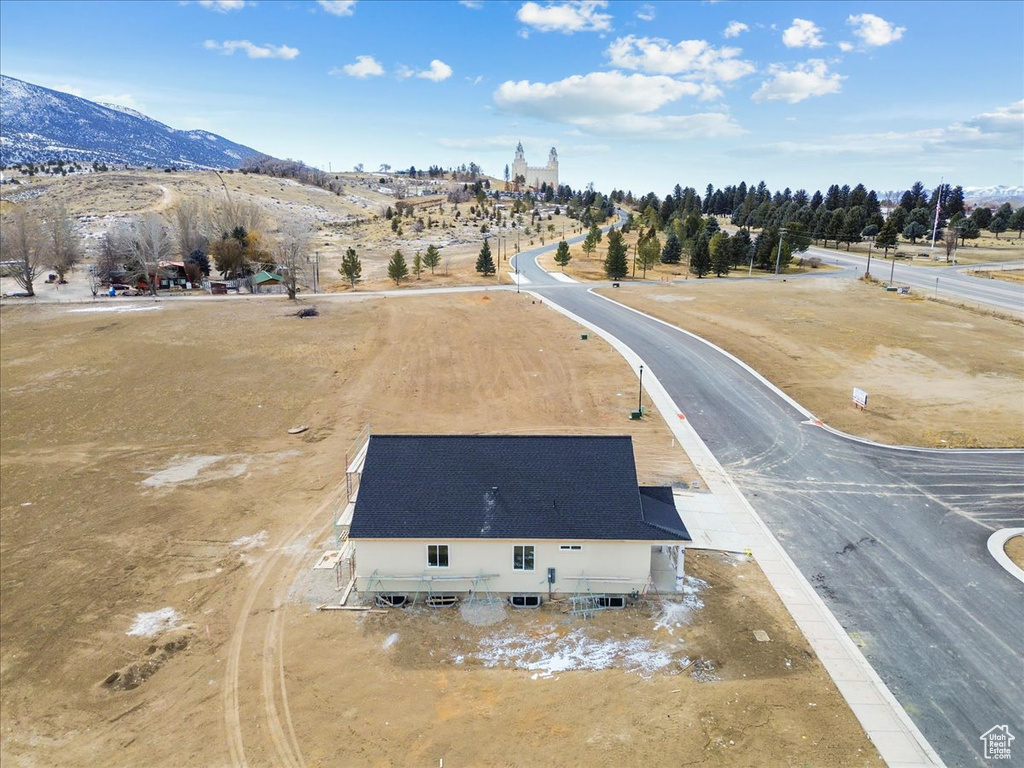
[
  {"x": 147, "y": 473},
  {"x": 937, "y": 375}
]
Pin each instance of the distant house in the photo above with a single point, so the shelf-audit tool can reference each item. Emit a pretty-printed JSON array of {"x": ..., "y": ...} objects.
[
  {"x": 267, "y": 282},
  {"x": 526, "y": 516}
]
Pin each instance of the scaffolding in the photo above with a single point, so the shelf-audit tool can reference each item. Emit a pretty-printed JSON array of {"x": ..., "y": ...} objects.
[
  {"x": 430, "y": 587},
  {"x": 585, "y": 602}
]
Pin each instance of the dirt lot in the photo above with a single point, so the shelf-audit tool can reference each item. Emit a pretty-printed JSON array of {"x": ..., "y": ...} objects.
[
  {"x": 1015, "y": 549},
  {"x": 149, "y": 486},
  {"x": 936, "y": 375}
]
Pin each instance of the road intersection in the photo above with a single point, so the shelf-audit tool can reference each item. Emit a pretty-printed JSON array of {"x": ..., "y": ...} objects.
[{"x": 893, "y": 539}]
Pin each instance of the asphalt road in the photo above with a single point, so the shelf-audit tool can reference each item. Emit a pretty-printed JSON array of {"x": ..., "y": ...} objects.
[
  {"x": 892, "y": 539},
  {"x": 948, "y": 281}
]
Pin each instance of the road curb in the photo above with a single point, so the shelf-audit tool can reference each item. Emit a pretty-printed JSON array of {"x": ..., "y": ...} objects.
[
  {"x": 886, "y": 723},
  {"x": 810, "y": 417},
  {"x": 997, "y": 542}
]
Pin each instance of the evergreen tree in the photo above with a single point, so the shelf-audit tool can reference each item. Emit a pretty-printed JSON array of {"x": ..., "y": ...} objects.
[
  {"x": 914, "y": 230},
  {"x": 431, "y": 258},
  {"x": 741, "y": 246},
  {"x": 417, "y": 265},
  {"x": 997, "y": 225},
  {"x": 589, "y": 242},
  {"x": 352, "y": 268},
  {"x": 648, "y": 252},
  {"x": 721, "y": 253},
  {"x": 1016, "y": 221},
  {"x": 562, "y": 256},
  {"x": 700, "y": 256},
  {"x": 673, "y": 250},
  {"x": 968, "y": 230},
  {"x": 616, "y": 265},
  {"x": 834, "y": 227},
  {"x": 484, "y": 262},
  {"x": 397, "y": 268}
]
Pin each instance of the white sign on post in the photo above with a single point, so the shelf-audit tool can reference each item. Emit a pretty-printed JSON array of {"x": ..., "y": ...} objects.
[{"x": 860, "y": 398}]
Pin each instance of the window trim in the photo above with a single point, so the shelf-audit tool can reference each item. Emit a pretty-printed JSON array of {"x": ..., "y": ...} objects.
[
  {"x": 533, "y": 558},
  {"x": 447, "y": 556}
]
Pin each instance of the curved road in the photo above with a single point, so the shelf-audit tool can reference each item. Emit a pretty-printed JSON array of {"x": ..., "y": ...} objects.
[{"x": 893, "y": 539}]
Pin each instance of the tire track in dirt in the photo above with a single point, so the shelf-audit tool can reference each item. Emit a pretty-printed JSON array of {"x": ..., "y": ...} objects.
[{"x": 286, "y": 748}]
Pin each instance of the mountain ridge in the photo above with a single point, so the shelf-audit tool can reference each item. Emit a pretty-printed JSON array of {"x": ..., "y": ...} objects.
[{"x": 39, "y": 124}]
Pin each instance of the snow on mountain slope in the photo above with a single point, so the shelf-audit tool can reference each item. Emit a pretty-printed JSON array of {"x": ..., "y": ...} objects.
[{"x": 38, "y": 124}]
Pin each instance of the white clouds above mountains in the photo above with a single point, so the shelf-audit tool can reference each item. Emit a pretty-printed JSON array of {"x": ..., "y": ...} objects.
[
  {"x": 735, "y": 28},
  {"x": 223, "y": 6},
  {"x": 567, "y": 18},
  {"x": 614, "y": 104},
  {"x": 438, "y": 71},
  {"x": 811, "y": 78},
  {"x": 253, "y": 51},
  {"x": 695, "y": 59},
  {"x": 875, "y": 31},
  {"x": 362, "y": 67},
  {"x": 598, "y": 94},
  {"x": 803, "y": 34},
  {"x": 338, "y": 7}
]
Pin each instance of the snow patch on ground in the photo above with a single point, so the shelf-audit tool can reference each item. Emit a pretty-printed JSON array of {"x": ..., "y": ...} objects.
[
  {"x": 553, "y": 654},
  {"x": 677, "y": 613},
  {"x": 252, "y": 541},
  {"x": 187, "y": 468},
  {"x": 116, "y": 309},
  {"x": 154, "y": 622},
  {"x": 390, "y": 640}
]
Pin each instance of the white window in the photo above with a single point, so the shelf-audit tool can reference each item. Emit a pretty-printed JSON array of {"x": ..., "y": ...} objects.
[
  {"x": 522, "y": 557},
  {"x": 437, "y": 555},
  {"x": 571, "y": 548}
]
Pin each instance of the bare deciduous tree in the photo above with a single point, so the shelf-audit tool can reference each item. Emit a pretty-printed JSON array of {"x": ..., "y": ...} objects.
[
  {"x": 147, "y": 242},
  {"x": 63, "y": 247},
  {"x": 188, "y": 228},
  {"x": 21, "y": 243},
  {"x": 231, "y": 214},
  {"x": 292, "y": 253}
]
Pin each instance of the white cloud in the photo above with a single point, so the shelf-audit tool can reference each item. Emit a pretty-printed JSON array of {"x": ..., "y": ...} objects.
[
  {"x": 803, "y": 34},
  {"x": 338, "y": 7},
  {"x": 252, "y": 50},
  {"x": 811, "y": 78},
  {"x": 473, "y": 5},
  {"x": 438, "y": 71},
  {"x": 404, "y": 72},
  {"x": 875, "y": 31},
  {"x": 846, "y": 47},
  {"x": 362, "y": 67},
  {"x": 475, "y": 80},
  {"x": 735, "y": 28},
  {"x": 569, "y": 17},
  {"x": 707, "y": 125},
  {"x": 223, "y": 6},
  {"x": 695, "y": 58},
  {"x": 598, "y": 94},
  {"x": 645, "y": 12}
]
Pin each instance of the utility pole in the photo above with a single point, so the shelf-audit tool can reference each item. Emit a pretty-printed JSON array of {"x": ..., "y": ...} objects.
[
  {"x": 778, "y": 256},
  {"x": 640, "y": 394}
]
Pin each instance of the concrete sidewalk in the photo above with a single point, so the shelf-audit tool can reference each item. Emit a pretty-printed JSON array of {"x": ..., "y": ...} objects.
[{"x": 887, "y": 724}]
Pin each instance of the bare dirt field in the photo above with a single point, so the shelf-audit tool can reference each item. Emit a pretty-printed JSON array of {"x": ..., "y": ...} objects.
[
  {"x": 159, "y": 525},
  {"x": 1015, "y": 549},
  {"x": 937, "y": 375}
]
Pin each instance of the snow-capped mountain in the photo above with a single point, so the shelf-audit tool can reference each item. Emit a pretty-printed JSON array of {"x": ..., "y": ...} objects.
[
  {"x": 38, "y": 124},
  {"x": 994, "y": 195}
]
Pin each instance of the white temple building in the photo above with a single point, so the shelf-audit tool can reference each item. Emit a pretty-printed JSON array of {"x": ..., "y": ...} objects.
[{"x": 535, "y": 177}]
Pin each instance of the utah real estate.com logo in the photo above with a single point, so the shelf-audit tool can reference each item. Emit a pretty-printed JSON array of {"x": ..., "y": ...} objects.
[{"x": 997, "y": 742}]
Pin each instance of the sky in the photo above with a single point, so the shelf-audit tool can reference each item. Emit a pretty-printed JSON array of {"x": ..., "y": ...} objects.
[{"x": 634, "y": 95}]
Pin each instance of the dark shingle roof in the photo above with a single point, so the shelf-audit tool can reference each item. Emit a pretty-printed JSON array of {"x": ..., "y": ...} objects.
[{"x": 504, "y": 487}]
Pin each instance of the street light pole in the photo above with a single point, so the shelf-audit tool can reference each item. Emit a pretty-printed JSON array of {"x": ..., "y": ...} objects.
[{"x": 640, "y": 394}]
